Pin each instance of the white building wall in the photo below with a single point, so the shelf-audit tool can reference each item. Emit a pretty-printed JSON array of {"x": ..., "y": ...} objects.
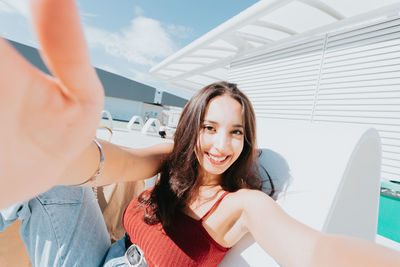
[
  {"x": 122, "y": 109},
  {"x": 346, "y": 76}
]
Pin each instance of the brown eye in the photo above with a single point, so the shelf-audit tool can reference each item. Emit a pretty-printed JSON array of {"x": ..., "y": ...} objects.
[
  {"x": 208, "y": 128},
  {"x": 237, "y": 132}
]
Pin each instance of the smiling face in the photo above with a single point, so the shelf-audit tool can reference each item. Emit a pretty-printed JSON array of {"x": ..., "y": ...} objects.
[{"x": 221, "y": 138}]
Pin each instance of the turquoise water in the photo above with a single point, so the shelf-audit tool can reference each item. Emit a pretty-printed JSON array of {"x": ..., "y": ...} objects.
[{"x": 389, "y": 213}]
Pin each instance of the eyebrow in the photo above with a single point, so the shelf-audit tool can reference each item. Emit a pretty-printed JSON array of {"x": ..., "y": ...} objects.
[{"x": 214, "y": 122}]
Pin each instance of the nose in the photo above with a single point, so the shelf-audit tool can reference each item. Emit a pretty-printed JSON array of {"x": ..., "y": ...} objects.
[{"x": 222, "y": 142}]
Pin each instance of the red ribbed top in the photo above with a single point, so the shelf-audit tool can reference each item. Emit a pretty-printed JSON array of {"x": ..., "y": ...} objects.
[{"x": 187, "y": 244}]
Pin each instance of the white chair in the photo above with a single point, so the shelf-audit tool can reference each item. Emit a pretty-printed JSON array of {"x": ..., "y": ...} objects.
[
  {"x": 109, "y": 117},
  {"x": 151, "y": 125},
  {"x": 328, "y": 177},
  {"x": 133, "y": 120}
]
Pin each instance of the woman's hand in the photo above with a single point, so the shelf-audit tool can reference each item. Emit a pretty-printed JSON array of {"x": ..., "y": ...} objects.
[{"x": 46, "y": 121}]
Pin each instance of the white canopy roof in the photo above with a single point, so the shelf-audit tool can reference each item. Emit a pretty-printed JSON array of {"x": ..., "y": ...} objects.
[{"x": 266, "y": 23}]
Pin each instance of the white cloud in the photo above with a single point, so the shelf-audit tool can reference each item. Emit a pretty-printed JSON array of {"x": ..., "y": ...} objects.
[
  {"x": 139, "y": 11},
  {"x": 20, "y": 7},
  {"x": 143, "y": 42},
  {"x": 180, "y": 31}
]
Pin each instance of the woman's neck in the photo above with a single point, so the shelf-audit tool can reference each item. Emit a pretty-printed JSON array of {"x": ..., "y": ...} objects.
[
  {"x": 205, "y": 194},
  {"x": 210, "y": 180}
]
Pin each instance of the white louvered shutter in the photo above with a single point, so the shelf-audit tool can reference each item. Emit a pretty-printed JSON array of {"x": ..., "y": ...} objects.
[
  {"x": 348, "y": 76},
  {"x": 281, "y": 82}
]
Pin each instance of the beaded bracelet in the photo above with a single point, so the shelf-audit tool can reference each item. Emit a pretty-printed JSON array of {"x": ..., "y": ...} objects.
[{"x": 99, "y": 168}]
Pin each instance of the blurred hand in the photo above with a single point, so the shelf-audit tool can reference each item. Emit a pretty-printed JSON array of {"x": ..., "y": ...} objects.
[{"x": 46, "y": 122}]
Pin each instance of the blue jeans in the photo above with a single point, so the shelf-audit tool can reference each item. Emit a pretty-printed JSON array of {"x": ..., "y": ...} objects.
[{"x": 65, "y": 227}]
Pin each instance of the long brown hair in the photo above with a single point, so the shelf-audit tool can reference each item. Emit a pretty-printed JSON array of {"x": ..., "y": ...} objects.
[{"x": 178, "y": 183}]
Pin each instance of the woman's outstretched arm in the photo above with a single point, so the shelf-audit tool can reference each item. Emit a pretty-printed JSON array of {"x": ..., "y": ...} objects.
[
  {"x": 46, "y": 121},
  {"x": 294, "y": 244},
  {"x": 121, "y": 164}
]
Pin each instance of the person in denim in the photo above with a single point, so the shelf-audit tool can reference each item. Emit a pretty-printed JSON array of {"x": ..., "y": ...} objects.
[
  {"x": 53, "y": 216},
  {"x": 65, "y": 227}
]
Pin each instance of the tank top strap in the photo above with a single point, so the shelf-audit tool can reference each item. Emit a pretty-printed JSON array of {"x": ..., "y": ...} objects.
[{"x": 215, "y": 205}]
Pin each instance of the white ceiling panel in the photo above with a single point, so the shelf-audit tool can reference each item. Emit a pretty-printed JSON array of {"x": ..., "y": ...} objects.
[{"x": 263, "y": 25}]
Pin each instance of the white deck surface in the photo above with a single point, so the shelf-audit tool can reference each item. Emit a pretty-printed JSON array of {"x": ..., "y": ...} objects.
[
  {"x": 387, "y": 242},
  {"x": 134, "y": 138}
]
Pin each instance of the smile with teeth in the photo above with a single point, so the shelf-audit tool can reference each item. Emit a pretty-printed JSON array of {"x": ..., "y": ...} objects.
[{"x": 217, "y": 160}]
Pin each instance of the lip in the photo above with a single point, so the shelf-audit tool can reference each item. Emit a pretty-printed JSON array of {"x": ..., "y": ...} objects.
[{"x": 214, "y": 162}]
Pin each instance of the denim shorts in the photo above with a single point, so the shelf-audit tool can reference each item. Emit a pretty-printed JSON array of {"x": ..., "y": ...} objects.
[{"x": 65, "y": 227}]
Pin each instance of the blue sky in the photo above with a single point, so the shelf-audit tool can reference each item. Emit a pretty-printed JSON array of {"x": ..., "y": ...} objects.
[{"x": 129, "y": 37}]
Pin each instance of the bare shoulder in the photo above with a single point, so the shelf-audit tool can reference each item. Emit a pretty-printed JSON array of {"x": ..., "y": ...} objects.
[
  {"x": 245, "y": 207},
  {"x": 249, "y": 198},
  {"x": 250, "y": 194}
]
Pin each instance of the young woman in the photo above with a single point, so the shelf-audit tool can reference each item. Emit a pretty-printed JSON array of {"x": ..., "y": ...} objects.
[
  {"x": 206, "y": 199},
  {"x": 205, "y": 183}
]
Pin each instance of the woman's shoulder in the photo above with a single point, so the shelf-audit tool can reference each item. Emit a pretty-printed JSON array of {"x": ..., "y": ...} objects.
[
  {"x": 247, "y": 192},
  {"x": 247, "y": 196}
]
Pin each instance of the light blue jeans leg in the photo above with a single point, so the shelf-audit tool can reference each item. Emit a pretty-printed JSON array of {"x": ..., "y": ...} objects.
[
  {"x": 62, "y": 227},
  {"x": 115, "y": 256}
]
